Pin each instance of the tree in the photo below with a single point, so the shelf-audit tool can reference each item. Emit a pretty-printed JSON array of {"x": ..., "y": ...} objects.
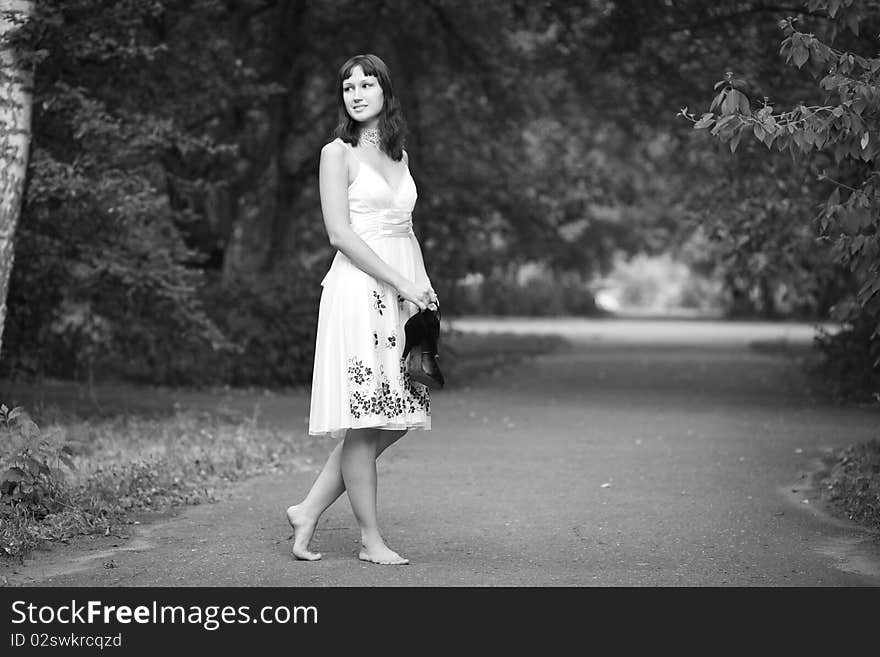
[
  {"x": 16, "y": 88},
  {"x": 172, "y": 183},
  {"x": 102, "y": 266},
  {"x": 839, "y": 127}
]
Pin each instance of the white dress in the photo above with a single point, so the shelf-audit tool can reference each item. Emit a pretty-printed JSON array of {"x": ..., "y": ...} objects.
[{"x": 359, "y": 379}]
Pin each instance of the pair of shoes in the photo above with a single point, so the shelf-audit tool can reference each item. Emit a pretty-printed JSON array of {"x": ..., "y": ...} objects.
[{"x": 420, "y": 350}]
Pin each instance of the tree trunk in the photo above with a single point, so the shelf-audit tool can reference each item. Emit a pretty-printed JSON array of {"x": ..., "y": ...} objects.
[
  {"x": 16, "y": 95},
  {"x": 292, "y": 39}
]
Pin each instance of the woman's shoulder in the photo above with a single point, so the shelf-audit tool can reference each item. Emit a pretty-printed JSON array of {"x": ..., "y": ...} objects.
[
  {"x": 336, "y": 147},
  {"x": 334, "y": 154}
]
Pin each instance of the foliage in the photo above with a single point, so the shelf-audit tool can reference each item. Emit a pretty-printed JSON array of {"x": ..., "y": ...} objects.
[
  {"x": 157, "y": 219},
  {"x": 661, "y": 284},
  {"x": 122, "y": 466},
  {"x": 543, "y": 293},
  {"x": 173, "y": 182},
  {"x": 852, "y": 483},
  {"x": 269, "y": 322},
  {"x": 98, "y": 238},
  {"x": 32, "y": 484},
  {"x": 30, "y": 463},
  {"x": 842, "y": 131},
  {"x": 272, "y": 320}
]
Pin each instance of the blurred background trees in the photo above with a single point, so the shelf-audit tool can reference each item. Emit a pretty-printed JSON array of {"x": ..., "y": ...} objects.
[{"x": 171, "y": 230}]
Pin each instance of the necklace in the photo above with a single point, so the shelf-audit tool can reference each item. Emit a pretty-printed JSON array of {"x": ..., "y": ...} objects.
[{"x": 370, "y": 136}]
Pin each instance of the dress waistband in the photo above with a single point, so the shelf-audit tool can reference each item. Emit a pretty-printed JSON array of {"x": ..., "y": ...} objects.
[{"x": 383, "y": 226}]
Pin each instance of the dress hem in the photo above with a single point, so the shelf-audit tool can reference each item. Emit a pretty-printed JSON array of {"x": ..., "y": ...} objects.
[{"x": 426, "y": 426}]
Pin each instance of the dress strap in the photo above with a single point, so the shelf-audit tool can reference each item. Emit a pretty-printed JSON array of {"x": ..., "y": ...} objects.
[
  {"x": 351, "y": 150},
  {"x": 357, "y": 171}
]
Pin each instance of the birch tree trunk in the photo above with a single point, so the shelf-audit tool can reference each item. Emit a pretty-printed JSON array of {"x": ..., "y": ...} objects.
[{"x": 16, "y": 94}]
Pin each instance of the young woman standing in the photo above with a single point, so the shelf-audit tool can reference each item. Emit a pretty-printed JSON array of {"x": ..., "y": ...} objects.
[{"x": 361, "y": 391}]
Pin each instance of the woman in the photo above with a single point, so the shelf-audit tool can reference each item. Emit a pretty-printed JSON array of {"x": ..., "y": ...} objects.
[{"x": 360, "y": 389}]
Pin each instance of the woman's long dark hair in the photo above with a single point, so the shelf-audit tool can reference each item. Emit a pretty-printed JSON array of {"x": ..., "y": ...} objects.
[{"x": 392, "y": 127}]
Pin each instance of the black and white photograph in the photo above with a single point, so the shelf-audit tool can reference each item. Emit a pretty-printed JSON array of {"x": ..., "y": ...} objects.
[{"x": 435, "y": 294}]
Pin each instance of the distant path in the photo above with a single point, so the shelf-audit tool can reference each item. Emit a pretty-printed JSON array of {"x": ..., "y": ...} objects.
[
  {"x": 651, "y": 453},
  {"x": 684, "y": 332}
]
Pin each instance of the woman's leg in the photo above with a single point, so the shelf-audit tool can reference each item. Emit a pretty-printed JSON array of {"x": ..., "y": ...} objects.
[
  {"x": 358, "y": 465},
  {"x": 327, "y": 488}
]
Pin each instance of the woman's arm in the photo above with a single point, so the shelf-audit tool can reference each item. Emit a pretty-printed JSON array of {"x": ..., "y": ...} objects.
[
  {"x": 333, "y": 182},
  {"x": 418, "y": 251}
]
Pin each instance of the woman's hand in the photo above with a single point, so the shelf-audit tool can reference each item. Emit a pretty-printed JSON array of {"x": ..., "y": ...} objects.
[{"x": 421, "y": 295}]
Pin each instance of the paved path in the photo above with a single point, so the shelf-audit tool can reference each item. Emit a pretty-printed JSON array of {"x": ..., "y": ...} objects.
[{"x": 664, "y": 453}]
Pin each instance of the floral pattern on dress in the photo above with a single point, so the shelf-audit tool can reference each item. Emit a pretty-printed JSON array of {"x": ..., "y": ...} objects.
[
  {"x": 379, "y": 301},
  {"x": 358, "y": 372},
  {"x": 391, "y": 341},
  {"x": 421, "y": 397},
  {"x": 381, "y": 398}
]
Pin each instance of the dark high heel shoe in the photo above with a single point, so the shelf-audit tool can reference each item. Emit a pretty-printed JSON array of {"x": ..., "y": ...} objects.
[{"x": 420, "y": 350}]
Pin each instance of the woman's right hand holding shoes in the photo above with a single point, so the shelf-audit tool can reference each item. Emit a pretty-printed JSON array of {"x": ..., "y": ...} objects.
[{"x": 421, "y": 295}]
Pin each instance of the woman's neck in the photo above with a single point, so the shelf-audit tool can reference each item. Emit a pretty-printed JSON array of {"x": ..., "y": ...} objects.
[{"x": 369, "y": 135}]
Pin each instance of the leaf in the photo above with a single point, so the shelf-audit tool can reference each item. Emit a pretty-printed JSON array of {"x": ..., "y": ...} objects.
[
  {"x": 857, "y": 243},
  {"x": 852, "y": 22},
  {"x": 853, "y": 220},
  {"x": 705, "y": 121},
  {"x": 723, "y": 121},
  {"x": 14, "y": 475},
  {"x": 834, "y": 198},
  {"x": 29, "y": 428},
  {"x": 828, "y": 82},
  {"x": 33, "y": 466},
  {"x": 733, "y": 102},
  {"x": 864, "y": 141},
  {"x": 800, "y": 56},
  {"x": 735, "y": 141}
]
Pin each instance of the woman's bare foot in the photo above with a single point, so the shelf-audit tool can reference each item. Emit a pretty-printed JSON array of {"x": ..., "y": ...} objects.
[
  {"x": 381, "y": 554},
  {"x": 303, "y": 528}
]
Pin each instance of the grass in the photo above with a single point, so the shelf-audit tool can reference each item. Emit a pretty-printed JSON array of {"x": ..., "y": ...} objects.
[
  {"x": 126, "y": 466},
  {"x": 107, "y": 468},
  {"x": 852, "y": 483}
]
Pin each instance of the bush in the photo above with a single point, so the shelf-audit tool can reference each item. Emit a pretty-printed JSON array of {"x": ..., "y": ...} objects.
[
  {"x": 543, "y": 294},
  {"x": 848, "y": 366},
  {"x": 32, "y": 483},
  {"x": 660, "y": 283},
  {"x": 269, "y": 321}
]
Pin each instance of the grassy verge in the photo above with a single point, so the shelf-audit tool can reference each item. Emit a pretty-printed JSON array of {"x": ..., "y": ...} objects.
[
  {"x": 72, "y": 473},
  {"x": 852, "y": 483},
  {"x": 98, "y": 474}
]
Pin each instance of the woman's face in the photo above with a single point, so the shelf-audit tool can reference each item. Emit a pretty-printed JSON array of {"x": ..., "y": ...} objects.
[{"x": 363, "y": 96}]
